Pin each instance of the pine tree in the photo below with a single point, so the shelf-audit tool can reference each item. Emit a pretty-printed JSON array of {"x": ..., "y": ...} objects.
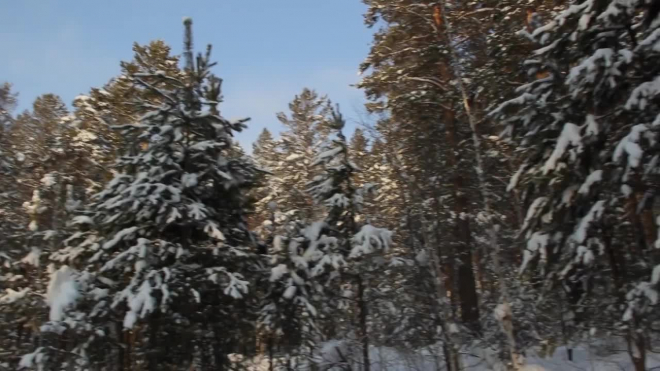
[
  {"x": 348, "y": 242},
  {"x": 413, "y": 82},
  {"x": 118, "y": 103},
  {"x": 305, "y": 129},
  {"x": 8, "y": 163},
  {"x": 585, "y": 126},
  {"x": 51, "y": 176},
  {"x": 267, "y": 157},
  {"x": 314, "y": 266},
  {"x": 163, "y": 252}
]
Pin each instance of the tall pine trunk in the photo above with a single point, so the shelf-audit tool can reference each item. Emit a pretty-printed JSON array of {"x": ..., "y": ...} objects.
[
  {"x": 364, "y": 332},
  {"x": 443, "y": 30},
  {"x": 469, "y": 300}
]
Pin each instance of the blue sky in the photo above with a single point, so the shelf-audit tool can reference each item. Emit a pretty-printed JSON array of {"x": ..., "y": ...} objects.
[{"x": 266, "y": 50}]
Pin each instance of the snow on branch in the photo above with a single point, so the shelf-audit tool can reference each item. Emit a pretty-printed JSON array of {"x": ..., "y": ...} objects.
[{"x": 370, "y": 239}]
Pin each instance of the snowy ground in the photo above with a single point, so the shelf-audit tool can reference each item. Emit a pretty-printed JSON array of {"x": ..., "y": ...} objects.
[{"x": 388, "y": 359}]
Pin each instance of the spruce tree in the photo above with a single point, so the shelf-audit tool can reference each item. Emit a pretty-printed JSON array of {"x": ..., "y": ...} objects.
[
  {"x": 270, "y": 186},
  {"x": 305, "y": 129},
  {"x": 158, "y": 272},
  {"x": 347, "y": 241},
  {"x": 585, "y": 126}
]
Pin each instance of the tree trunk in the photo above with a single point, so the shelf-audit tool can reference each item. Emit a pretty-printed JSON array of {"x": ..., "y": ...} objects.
[
  {"x": 469, "y": 300},
  {"x": 121, "y": 352},
  {"x": 271, "y": 353},
  {"x": 218, "y": 349},
  {"x": 636, "y": 347},
  {"x": 364, "y": 332},
  {"x": 443, "y": 30}
]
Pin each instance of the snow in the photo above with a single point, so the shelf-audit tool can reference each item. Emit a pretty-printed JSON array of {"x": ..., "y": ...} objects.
[
  {"x": 626, "y": 190},
  {"x": 290, "y": 292},
  {"x": 236, "y": 287},
  {"x": 198, "y": 298},
  {"x": 600, "y": 58},
  {"x": 189, "y": 180},
  {"x": 119, "y": 236},
  {"x": 337, "y": 200},
  {"x": 422, "y": 258},
  {"x": 293, "y": 157},
  {"x": 278, "y": 272},
  {"x": 591, "y": 125},
  {"x": 85, "y": 136},
  {"x": 536, "y": 244},
  {"x": 212, "y": 230},
  {"x": 629, "y": 145},
  {"x": 570, "y": 135},
  {"x": 533, "y": 209},
  {"x": 584, "y": 255},
  {"x": 655, "y": 276},
  {"x": 335, "y": 354},
  {"x": 502, "y": 312},
  {"x": 312, "y": 231},
  {"x": 11, "y": 296},
  {"x": 62, "y": 292},
  {"x": 596, "y": 211},
  {"x": 277, "y": 243},
  {"x": 595, "y": 176},
  {"x": 370, "y": 238},
  {"x": 82, "y": 219},
  {"x": 331, "y": 153},
  {"x": 48, "y": 180},
  {"x": 139, "y": 304},
  {"x": 640, "y": 95},
  {"x": 546, "y": 49},
  {"x": 583, "y": 24},
  {"x": 33, "y": 257},
  {"x": 518, "y": 101},
  {"x": 515, "y": 178},
  {"x": 616, "y": 7},
  {"x": 30, "y": 359},
  {"x": 197, "y": 210},
  {"x": 99, "y": 293}
]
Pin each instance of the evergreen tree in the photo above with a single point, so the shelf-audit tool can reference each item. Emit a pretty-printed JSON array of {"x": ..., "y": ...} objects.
[
  {"x": 159, "y": 269},
  {"x": 267, "y": 157},
  {"x": 585, "y": 124},
  {"x": 305, "y": 129},
  {"x": 8, "y": 163},
  {"x": 347, "y": 240},
  {"x": 314, "y": 267}
]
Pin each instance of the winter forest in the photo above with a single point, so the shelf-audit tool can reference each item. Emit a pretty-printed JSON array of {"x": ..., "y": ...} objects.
[{"x": 497, "y": 209}]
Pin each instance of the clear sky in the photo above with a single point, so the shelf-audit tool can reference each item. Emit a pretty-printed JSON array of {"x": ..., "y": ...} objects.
[{"x": 266, "y": 50}]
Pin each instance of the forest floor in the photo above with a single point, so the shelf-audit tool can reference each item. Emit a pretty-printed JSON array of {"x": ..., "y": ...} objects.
[{"x": 605, "y": 356}]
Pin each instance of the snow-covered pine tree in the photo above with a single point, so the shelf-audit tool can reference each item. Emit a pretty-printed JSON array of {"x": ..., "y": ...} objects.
[
  {"x": 288, "y": 313},
  {"x": 281, "y": 202},
  {"x": 47, "y": 137},
  {"x": 118, "y": 103},
  {"x": 314, "y": 266},
  {"x": 306, "y": 126},
  {"x": 344, "y": 241},
  {"x": 269, "y": 186},
  {"x": 586, "y": 126},
  {"x": 157, "y": 273},
  {"x": 8, "y": 165},
  {"x": 413, "y": 82}
]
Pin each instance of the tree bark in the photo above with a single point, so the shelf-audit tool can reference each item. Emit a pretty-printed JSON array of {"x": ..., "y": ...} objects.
[
  {"x": 469, "y": 300},
  {"x": 364, "y": 332}
]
